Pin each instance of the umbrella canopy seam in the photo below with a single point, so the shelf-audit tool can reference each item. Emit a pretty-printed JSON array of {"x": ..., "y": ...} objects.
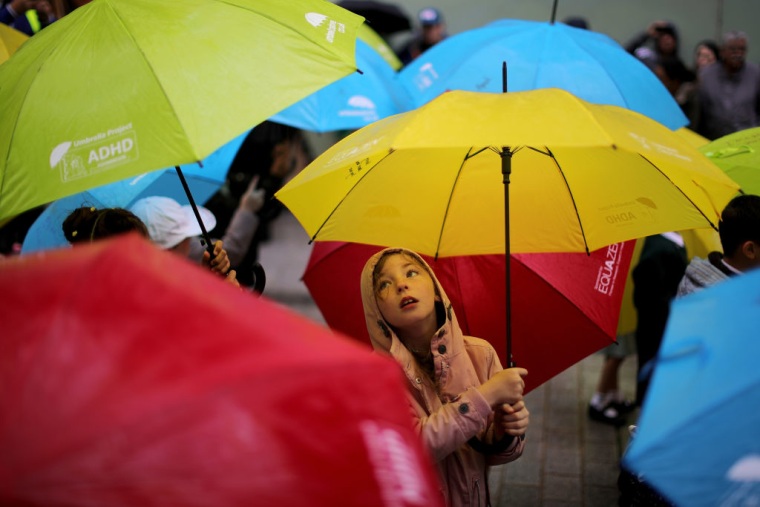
[
  {"x": 549, "y": 154},
  {"x": 467, "y": 156},
  {"x": 717, "y": 211}
]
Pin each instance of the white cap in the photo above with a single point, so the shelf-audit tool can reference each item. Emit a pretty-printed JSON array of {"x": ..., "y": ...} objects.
[{"x": 168, "y": 222}]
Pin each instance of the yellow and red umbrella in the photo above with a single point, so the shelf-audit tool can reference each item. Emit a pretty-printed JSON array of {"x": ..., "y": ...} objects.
[{"x": 482, "y": 173}]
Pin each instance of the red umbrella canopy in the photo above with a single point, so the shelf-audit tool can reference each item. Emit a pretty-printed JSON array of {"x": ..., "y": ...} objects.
[
  {"x": 565, "y": 306},
  {"x": 132, "y": 377}
]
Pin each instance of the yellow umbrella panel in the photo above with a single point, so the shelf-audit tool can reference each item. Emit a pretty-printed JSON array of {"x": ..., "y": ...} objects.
[
  {"x": 583, "y": 176},
  {"x": 10, "y": 40}
]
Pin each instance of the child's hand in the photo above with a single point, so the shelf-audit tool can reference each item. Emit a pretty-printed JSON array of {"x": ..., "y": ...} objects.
[
  {"x": 511, "y": 420},
  {"x": 220, "y": 263},
  {"x": 505, "y": 387}
]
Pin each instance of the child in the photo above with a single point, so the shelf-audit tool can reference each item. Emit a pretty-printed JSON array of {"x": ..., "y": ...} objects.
[{"x": 458, "y": 389}]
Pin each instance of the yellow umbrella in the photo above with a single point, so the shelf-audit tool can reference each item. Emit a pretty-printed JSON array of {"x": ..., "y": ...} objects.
[
  {"x": 692, "y": 137},
  {"x": 585, "y": 176},
  {"x": 10, "y": 40}
]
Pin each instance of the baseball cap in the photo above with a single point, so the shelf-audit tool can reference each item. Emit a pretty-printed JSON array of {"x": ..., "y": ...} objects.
[
  {"x": 430, "y": 16},
  {"x": 169, "y": 222}
]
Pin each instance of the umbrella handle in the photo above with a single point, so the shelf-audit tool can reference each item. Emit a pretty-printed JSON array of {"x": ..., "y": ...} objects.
[{"x": 259, "y": 278}]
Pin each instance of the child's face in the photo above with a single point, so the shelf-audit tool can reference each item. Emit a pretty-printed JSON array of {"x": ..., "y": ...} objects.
[{"x": 405, "y": 292}]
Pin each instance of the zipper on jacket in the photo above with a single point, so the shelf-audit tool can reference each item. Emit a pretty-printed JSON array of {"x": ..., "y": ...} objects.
[{"x": 475, "y": 500}]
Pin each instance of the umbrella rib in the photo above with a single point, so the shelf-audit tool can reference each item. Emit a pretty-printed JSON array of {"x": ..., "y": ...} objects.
[
  {"x": 22, "y": 103},
  {"x": 683, "y": 194},
  {"x": 468, "y": 156},
  {"x": 327, "y": 219},
  {"x": 549, "y": 153},
  {"x": 147, "y": 62}
]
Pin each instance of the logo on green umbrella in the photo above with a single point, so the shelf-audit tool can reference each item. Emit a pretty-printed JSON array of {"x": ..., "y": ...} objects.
[
  {"x": 95, "y": 153},
  {"x": 316, "y": 20}
]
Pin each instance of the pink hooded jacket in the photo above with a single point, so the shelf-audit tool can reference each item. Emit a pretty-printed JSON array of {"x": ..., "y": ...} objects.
[{"x": 448, "y": 414}]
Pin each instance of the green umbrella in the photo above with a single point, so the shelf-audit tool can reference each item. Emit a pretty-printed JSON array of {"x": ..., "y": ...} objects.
[
  {"x": 121, "y": 87},
  {"x": 738, "y": 154}
]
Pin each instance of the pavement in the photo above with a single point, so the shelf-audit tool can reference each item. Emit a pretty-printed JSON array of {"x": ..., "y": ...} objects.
[{"x": 569, "y": 460}]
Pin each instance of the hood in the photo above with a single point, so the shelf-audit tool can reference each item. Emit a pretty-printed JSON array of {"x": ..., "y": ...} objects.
[{"x": 381, "y": 335}]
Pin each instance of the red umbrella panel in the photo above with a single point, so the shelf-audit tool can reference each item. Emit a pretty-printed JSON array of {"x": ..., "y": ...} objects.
[
  {"x": 130, "y": 376},
  {"x": 565, "y": 306}
]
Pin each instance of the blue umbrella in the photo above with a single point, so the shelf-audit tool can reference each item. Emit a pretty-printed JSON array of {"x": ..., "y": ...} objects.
[
  {"x": 697, "y": 440},
  {"x": 204, "y": 181},
  {"x": 353, "y": 101},
  {"x": 588, "y": 64}
]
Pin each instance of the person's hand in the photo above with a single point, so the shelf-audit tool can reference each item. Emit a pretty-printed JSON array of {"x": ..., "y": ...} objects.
[
  {"x": 654, "y": 27},
  {"x": 220, "y": 263},
  {"x": 507, "y": 386},
  {"x": 232, "y": 278},
  {"x": 253, "y": 197},
  {"x": 511, "y": 420}
]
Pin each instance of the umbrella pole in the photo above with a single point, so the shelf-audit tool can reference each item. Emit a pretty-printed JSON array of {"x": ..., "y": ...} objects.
[
  {"x": 506, "y": 170},
  {"x": 206, "y": 238}
]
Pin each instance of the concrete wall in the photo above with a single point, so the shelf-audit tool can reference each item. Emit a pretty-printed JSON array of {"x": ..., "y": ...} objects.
[{"x": 620, "y": 19}]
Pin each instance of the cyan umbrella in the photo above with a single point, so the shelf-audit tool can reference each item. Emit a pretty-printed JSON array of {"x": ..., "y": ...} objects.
[
  {"x": 588, "y": 64},
  {"x": 46, "y": 233},
  {"x": 354, "y": 101},
  {"x": 697, "y": 438}
]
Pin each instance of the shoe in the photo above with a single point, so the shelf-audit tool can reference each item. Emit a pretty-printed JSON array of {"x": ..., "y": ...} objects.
[
  {"x": 608, "y": 415},
  {"x": 624, "y": 407}
]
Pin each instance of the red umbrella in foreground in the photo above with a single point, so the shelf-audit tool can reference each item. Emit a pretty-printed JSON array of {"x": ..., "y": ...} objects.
[
  {"x": 132, "y": 377},
  {"x": 565, "y": 306}
]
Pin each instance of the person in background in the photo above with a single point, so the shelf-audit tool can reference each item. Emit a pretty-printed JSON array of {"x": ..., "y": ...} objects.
[
  {"x": 706, "y": 52},
  {"x": 655, "y": 283},
  {"x": 87, "y": 224},
  {"x": 458, "y": 391},
  {"x": 608, "y": 404},
  {"x": 27, "y": 16},
  {"x": 660, "y": 40},
  {"x": 270, "y": 153},
  {"x": 739, "y": 231},
  {"x": 728, "y": 95},
  {"x": 432, "y": 31},
  {"x": 577, "y": 22}
]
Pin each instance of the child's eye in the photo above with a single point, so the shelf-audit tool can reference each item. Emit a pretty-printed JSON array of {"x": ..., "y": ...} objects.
[
  {"x": 383, "y": 285},
  {"x": 412, "y": 273}
]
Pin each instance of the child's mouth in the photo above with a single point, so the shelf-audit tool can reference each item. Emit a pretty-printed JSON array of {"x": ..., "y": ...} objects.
[{"x": 407, "y": 301}]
